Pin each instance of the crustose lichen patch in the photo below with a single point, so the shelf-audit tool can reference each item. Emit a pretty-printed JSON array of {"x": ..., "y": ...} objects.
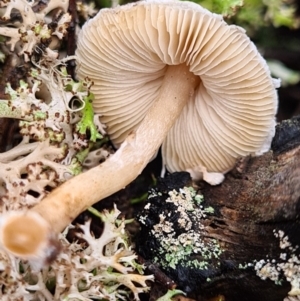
[{"x": 176, "y": 230}]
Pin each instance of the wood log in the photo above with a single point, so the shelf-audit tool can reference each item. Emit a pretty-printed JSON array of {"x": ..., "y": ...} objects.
[{"x": 260, "y": 197}]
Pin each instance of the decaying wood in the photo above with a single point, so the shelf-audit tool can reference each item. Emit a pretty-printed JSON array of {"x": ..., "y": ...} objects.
[
  {"x": 251, "y": 203},
  {"x": 260, "y": 196}
]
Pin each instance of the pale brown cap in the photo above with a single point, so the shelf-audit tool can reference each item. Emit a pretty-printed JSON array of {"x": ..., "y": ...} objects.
[{"x": 125, "y": 52}]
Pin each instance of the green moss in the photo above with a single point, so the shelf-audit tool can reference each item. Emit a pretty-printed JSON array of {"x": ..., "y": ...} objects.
[
  {"x": 170, "y": 294},
  {"x": 87, "y": 120},
  {"x": 224, "y": 7}
]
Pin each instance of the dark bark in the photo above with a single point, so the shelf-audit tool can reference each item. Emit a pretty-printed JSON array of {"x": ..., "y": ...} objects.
[
  {"x": 264, "y": 197},
  {"x": 71, "y": 37},
  {"x": 260, "y": 195}
]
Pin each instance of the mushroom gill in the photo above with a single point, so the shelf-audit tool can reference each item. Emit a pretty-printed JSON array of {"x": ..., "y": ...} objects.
[{"x": 126, "y": 52}]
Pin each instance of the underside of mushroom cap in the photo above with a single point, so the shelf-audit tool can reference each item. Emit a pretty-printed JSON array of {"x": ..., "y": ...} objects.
[{"x": 125, "y": 51}]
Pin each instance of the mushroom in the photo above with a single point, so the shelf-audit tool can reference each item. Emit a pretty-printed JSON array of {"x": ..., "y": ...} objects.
[
  {"x": 136, "y": 53},
  {"x": 167, "y": 73},
  {"x": 27, "y": 235}
]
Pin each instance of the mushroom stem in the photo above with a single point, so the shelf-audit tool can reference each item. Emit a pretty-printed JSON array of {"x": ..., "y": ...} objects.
[
  {"x": 62, "y": 205},
  {"x": 27, "y": 235}
]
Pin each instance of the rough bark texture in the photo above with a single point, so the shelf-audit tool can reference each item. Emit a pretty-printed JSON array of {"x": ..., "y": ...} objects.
[{"x": 259, "y": 196}]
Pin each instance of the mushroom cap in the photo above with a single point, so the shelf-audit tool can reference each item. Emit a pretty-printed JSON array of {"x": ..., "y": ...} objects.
[{"x": 125, "y": 51}]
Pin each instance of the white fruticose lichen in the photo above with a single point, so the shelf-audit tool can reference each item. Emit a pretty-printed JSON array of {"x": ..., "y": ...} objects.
[
  {"x": 53, "y": 148},
  {"x": 59, "y": 134},
  {"x": 287, "y": 266},
  {"x": 55, "y": 113},
  {"x": 33, "y": 29},
  {"x": 86, "y": 10},
  {"x": 104, "y": 268},
  {"x": 176, "y": 249}
]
